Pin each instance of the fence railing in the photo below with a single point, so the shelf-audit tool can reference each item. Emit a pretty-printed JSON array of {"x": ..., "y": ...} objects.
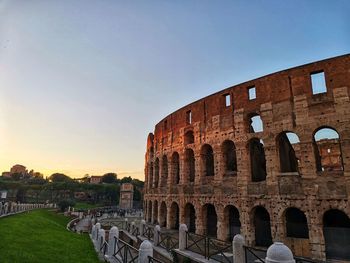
[
  {"x": 153, "y": 260},
  {"x": 125, "y": 252},
  {"x": 168, "y": 241},
  {"x": 210, "y": 248},
  {"x": 148, "y": 232}
]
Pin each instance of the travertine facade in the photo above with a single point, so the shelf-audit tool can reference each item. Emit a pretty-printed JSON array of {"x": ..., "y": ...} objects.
[{"x": 210, "y": 166}]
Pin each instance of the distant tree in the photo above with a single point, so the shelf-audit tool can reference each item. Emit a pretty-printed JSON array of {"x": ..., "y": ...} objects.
[
  {"x": 58, "y": 177},
  {"x": 16, "y": 176},
  {"x": 65, "y": 203},
  {"x": 125, "y": 180},
  {"x": 109, "y": 178}
]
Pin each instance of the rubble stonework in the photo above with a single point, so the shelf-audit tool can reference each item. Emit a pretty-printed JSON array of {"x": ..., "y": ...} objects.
[{"x": 206, "y": 167}]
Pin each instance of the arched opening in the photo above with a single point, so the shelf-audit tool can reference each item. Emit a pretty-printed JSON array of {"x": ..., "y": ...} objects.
[
  {"x": 327, "y": 150},
  {"x": 336, "y": 231},
  {"x": 288, "y": 159},
  {"x": 232, "y": 222},
  {"x": 156, "y": 173},
  {"x": 296, "y": 223},
  {"x": 164, "y": 171},
  {"x": 229, "y": 157},
  {"x": 151, "y": 153},
  {"x": 262, "y": 227},
  {"x": 207, "y": 158},
  {"x": 149, "y": 214},
  {"x": 255, "y": 123},
  {"x": 189, "y": 137},
  {"x": 189, "y": 165},
  {"x": 257, "y": 160},
  {"x": 190, "y": 217},
  {"x": 155, "y": 212},
  {"x": 174, "y": 221},
  {"x": 175, "y": 167},
  {"x": 162, "y": 215},
  {"x": 150, "y": 176},
  {"x": 210, "y": 220}
]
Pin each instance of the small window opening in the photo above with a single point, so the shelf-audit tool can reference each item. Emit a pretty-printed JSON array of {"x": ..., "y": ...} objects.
[
  {"x": 318, "y": 83},
  {"x": 227, "y": 100},
  {"x": 189, "y": 117},
  {"x": 252, "y": 93},
  {"x": 256, "y": 124},
  {"x": 165, "y": 125}
]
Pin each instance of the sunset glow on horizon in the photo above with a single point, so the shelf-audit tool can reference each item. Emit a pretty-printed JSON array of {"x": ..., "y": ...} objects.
[{"x": 82, "y": 83}]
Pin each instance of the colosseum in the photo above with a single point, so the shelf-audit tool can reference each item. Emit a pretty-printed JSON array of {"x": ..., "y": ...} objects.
[{"x": 268, "y": 158}]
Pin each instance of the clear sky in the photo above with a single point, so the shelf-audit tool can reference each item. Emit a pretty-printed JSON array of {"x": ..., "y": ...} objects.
[{"x": 82, "y": 83}]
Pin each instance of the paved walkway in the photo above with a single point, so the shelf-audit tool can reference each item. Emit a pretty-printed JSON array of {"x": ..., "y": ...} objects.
[{"x": 83, "y": 225}]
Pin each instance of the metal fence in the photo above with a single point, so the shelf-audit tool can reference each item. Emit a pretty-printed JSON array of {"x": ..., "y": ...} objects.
[
  {"x": 168, "y": 241},
  {"x": 125, "y": 252},
  {"x": 210, "y": 248}
]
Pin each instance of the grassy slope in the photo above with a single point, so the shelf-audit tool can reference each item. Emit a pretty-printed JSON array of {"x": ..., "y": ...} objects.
[{"x": 41, "y": 236}]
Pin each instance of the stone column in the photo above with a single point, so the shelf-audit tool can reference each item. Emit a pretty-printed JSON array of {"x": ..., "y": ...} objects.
[
  {"x": 182, "y": 236},
  {"x": 199, "y": 220},
  {"x": 238, "y": 249},
  {"x": 97, "y": 229},
  {"x": 146, "y": 250},
  {"x": 221, "y": 228},
  {"x": 101, "y": 239},
  {"x": 142, "y": 226}
]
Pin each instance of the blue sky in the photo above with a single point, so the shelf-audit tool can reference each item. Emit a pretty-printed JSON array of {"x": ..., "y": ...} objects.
[{"x": 82, "y": 83}]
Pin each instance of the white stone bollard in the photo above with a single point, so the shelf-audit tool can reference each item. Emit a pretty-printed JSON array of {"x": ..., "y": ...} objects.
[
  {"x": 145, "y": 251},
  {"x": 101, "y": 239},
  {"x": 97, "y": 229},
  {"x": 113, "y": 241},
  {"x": 156, "y": 235},
  {"x": 238, "y": 249},
  {"x": 142, "y": 226},
  {"x": 279, "y": 253},
  {"x": 182, "y": 236}
]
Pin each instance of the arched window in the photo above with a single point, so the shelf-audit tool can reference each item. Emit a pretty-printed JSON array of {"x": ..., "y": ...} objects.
[
  {"x": 162, "y": 214},
  {"x": 150, "y": 176},
  {"x": 336, "y": 231},
  {"x": 189, "y": 165},
  {"x": 174, "y": 216},
  {"x": 164, "y": 170},
  {"x": 210, "y": 219},
  {"x": 189, "y": 137},
  {"x": 257, "y": 160},
  {"x": 155, "y": 212},
  {"x": 229, "y": 157},
  {"x": 190, "y": 217},
  {"x": 262, "y": 226},
  {"x": 327, "y": 150},
  {"x": 255, "y": 123},
  {"x": 175, "y": 168},
  {"x": 288, "y": 159},
  {"x": 232, "y": 222},
  {"x": 296, "y": 223},
  {"x": 149, "y": 214},
  {"x": 156, "y": 173},
  {"x": 207, "y": 158}
]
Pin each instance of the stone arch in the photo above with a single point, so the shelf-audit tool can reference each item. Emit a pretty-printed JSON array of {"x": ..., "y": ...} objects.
[
  {"x": 228, "y": 150},
  {"x": 287, "y": 155},
  {"x": 175, "y": 168},
  {"x": 257, "y": 160},
  {"x": 156, "y": 172},
  {"x": 232, "y": 223},
  {"x": 255, "y": 123},
  {"x": 174, "y": 220},
  {"x": 162, "y": 214},
  {"x": 207, "y": 160},
  {"x": 262, "y": 226},
  {"x": 210, "y": 220},
  {"x": 189, "y": 138},
  {"x": 190, "y": 217},
  {"x": 296, "y": 223},
  {"x": 336, "y": 231},
  {"x": 164, "y": 177},
  {"x": 189, "y": 166},
  {"x": 150, "y": 176},
  {"x": 327, "y": 148},
  {"x": 155, "y": 212},
  {"x": 149, "y": 212}
]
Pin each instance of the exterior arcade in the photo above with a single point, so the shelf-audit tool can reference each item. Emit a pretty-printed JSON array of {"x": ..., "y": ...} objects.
[{"x": 268, "y": 158}]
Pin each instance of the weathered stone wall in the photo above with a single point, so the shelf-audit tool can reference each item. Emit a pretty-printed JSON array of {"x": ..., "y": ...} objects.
[{"x": 285, "y": 102}]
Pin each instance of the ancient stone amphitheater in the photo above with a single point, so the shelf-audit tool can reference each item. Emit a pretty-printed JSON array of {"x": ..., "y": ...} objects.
[{"x": 268, "y": 158}]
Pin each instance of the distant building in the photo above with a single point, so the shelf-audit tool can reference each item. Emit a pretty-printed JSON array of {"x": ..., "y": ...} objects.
[
  {"x": 126, "y": 196},
  {"x": 18, "y": 169},
  {"x": 95, "y": 179}
]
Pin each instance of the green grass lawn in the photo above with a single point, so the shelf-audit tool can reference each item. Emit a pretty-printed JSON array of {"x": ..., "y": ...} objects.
[{"x": 41, "y": 236}]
